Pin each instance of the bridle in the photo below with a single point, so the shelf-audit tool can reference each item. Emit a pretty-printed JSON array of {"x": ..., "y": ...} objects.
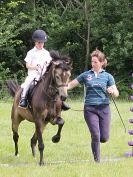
[
  {"x": 58, "y": 85},
  {"x": 53, "y": 86},
  {"x": 62, "y": 85}
]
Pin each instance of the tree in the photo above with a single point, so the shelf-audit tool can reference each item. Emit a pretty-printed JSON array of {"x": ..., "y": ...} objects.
[
  {"x": 76, "y": 27},
  {"x": 14, "y": 24}
]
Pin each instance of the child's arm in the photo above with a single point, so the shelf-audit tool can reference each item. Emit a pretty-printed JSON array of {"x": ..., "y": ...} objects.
[{"x": 33, "y": 67}]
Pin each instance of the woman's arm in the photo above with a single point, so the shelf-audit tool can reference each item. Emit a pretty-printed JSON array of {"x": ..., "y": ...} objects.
[
  {"x": 72, "y": 84},
  {"x": 113, "y": 91}
]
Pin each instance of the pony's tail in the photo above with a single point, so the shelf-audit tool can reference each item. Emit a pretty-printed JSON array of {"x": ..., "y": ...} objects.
[{"x": 12, "y": 87}]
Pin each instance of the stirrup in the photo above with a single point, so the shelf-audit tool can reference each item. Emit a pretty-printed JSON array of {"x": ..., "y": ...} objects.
[{"x": 23, "y": 103}]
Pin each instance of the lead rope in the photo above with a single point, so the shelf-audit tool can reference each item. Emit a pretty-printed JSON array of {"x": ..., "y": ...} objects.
[
  {"x": 119, "y": 113},
  {"x": 116, "y": 109},
  {"x": 76, "y": 109}
]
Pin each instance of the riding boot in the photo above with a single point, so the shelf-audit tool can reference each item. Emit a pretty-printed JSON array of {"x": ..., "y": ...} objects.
[
  {"x": 65, "y": 107},
  {"x": 23, "y": 102}
]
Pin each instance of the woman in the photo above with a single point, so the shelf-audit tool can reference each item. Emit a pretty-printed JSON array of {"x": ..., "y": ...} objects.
[{"x": 99, "y": 84}]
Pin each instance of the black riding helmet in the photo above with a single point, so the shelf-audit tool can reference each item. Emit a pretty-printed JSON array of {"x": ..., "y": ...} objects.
[{"x": 39, "y": 36}]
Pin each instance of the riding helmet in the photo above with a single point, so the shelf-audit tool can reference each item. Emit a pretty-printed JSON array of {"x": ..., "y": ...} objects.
[{"x": 39, "y": 36}]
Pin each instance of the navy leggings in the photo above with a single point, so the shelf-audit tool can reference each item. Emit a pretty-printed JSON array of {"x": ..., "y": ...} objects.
[{"x": 98, "y": 119}]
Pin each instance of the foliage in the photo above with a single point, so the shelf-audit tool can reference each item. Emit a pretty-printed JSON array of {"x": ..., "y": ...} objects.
[
  {"x": 75, "y": 27},
  {"x": 4, "y": 72}
]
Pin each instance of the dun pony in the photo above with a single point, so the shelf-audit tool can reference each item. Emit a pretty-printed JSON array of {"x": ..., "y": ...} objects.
[{"x": 46, "y": 103}]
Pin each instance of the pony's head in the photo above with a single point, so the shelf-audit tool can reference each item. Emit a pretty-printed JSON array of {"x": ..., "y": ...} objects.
[
  {"x": 61, "y": 72},
  {"x": 61, "y": 75}
]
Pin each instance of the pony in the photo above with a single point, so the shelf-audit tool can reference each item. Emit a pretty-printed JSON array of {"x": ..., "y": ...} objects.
[{"x": 45, "y": 105}]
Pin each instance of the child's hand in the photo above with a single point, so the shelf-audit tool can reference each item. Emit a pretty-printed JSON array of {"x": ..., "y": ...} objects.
[{"x": 38, "y": 68}]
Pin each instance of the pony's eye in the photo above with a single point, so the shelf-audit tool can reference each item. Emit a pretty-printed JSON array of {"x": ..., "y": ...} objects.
[{"x": 57, "y": 77}]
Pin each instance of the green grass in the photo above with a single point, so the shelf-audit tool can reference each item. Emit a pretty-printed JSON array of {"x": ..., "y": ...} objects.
[{"x": 71, "y": 157}]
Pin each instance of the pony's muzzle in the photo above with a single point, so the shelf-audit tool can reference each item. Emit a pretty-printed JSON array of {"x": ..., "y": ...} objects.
[
  {"x": 63, "y": 93},
  {"x": 63, "y": 98}
]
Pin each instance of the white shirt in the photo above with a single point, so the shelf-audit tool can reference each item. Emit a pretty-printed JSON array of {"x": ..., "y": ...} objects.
[{"x": 41, "y": 57}]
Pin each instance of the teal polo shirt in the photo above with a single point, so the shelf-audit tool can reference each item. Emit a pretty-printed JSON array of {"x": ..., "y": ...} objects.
[{"x": 96, "y": 86}]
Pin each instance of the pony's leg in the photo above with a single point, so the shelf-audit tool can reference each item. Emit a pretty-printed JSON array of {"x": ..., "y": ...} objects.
[
  {"x": 15, "y": 138},
  {"x": 15, "y": 125},
  {"x": 39, "y": 130},
  {"x": 33, "y": 144},
  {"x": 60, "y": 122}
]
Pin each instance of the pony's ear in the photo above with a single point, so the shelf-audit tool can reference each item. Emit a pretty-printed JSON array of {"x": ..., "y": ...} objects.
[
  {"x": 70, "y": 64},
  {"x": 67, "y": 60},
  {"x": 55, "y": 55}
]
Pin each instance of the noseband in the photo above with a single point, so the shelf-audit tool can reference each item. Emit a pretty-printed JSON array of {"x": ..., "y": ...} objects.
[{"x": 62, "y": 85}]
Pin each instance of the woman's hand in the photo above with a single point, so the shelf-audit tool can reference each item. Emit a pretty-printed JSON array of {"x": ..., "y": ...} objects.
[
  {"x": 113, "y": 91},
  {"x": 110, "y": 90}
]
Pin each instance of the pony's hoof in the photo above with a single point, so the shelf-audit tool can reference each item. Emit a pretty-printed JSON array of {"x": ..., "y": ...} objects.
[
  {"x": 56, "y": 139},
  {"x": 16, "y": 155},
  {"x": 41, "y": 163},
  {"x": 34, "y": 155}
]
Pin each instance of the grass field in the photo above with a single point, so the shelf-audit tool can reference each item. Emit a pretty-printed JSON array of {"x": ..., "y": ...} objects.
[{"x": 71, "y": 157}]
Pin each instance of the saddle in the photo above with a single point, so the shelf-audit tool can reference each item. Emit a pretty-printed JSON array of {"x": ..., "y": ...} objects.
[{"x": 31, "y": 90}]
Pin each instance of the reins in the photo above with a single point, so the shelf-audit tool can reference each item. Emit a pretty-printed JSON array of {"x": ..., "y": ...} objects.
[{"x": 48, "y": 95}]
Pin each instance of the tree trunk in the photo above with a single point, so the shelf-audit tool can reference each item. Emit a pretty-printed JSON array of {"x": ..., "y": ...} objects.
[
  {"x": 87, "y": 11},
  {"x": 87, "y": 47}
]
